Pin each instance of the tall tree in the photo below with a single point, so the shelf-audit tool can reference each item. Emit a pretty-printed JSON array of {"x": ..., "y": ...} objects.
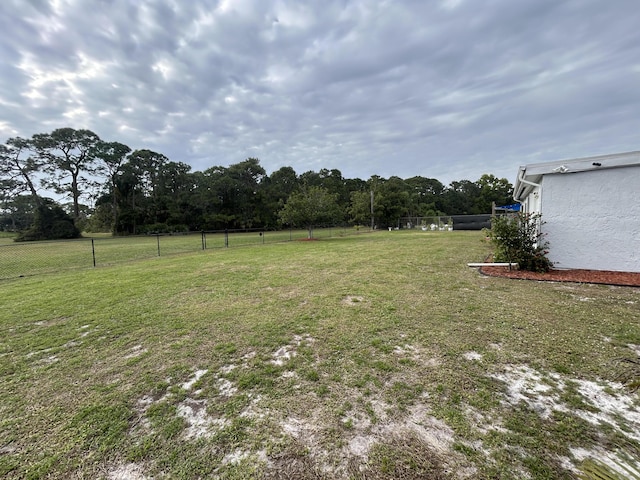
[
  {"x": 333, "y": 181},
  {"x": 19, "y": 168},
  {"x": 461, "y": 198},
  {"x": 276, "y": 188},
  {"x": 426, "y": 196},
  {"x": 111, "y": 156},
  {"x": 131, "y": 201},
  {"x": 146, "y": 166},
  {"x": 360, "y": 208},
  {"x": 70, "y": 162},
  {"x": 309, "y": 207},
  {"x": 18, "y": 213},
  {"x": 311, "y": 179},
  {"x": 391, "y": 200},
  {"x": 213, "y": 187},
  {"x": 493, "y": 190},
  {"x": 243, "y": 198},
  {"x": 175, "y": 187},
  {"x": 232, "y": 196}
]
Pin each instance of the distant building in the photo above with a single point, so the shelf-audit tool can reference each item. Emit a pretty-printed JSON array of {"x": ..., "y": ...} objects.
[{"x": 590, "y": 210}]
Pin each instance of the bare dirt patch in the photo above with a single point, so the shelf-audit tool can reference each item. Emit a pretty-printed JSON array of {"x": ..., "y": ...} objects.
[
  {"x": 375, "y": 442},
  {"x": 352, "y": 300},
  {"x": 618, "y": 462},
  {"x": 199, "y": 422},
  {"x": 374, "y": 437},
  {"x": 130, "y": 471},
  {"x": 416, "y": 354},
  {"x": 608, "y": 404},
  {"x": 286, "y": 352},
  {"x": 135, "y": 351},
  {"x": 192, "y": 381},
  {"x": 472, "y": 356},
  {"x": 283, "y": 355}
]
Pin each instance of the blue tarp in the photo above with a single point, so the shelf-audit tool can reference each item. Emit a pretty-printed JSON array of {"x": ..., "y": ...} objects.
[{"x": 515, "y": 207}]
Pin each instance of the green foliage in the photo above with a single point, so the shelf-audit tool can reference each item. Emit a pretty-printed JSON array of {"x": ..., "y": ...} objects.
[
  {"x": 69, "y": 156},
  {"x": 493, "y": 190},
  {"x": 360, "y": 208},
  {"x": 51, "y": 223},
  {"x": 310, "y": 206},
  {"x": 141, "y": 188},
  {"x": 102, "y": 219},
  {"x": 18, "y": 168},
  {"x": 17, "y": 213},
  {"x": 517, "y": 238}
]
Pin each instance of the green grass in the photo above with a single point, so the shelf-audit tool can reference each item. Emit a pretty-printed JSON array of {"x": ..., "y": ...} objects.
[
  {"x": 370, "y": 356},
  {"x": 35, "y": 258},
  {"x": 6, "y": 237}
]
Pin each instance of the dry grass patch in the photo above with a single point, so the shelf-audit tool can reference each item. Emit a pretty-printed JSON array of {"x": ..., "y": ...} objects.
[{"x": 264, "y": 363}]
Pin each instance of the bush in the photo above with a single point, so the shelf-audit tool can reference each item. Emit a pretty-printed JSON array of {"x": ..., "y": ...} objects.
[
  {"x": 51, "y": 222},
  {"x": 517, "y": 238}
]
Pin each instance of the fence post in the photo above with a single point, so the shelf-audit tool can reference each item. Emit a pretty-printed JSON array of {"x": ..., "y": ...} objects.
[
  {"x": 158, "y": 238},
  {"x": 226, "y": 237},
  {"x": 204, "y": 241},
  {"x": 93, "y": 252}
]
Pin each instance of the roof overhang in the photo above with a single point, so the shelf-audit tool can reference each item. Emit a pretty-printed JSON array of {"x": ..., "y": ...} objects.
[{"x": 530, "y": 176}]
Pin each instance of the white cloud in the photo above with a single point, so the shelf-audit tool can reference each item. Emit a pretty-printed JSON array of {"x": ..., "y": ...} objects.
[{"x": 448, "y": 90}]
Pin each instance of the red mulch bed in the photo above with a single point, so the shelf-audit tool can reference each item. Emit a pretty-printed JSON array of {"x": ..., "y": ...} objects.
[{"x": 627, "y": 279}]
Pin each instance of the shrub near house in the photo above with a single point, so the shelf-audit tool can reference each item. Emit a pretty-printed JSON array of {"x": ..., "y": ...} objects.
[{"x": 517, "y": 238}]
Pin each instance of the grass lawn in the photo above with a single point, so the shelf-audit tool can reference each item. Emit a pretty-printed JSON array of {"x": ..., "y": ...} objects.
[
  {"x": 35, "y": 258},
  {"x": 374, "y": 356},
  {"x": 6, "y": 237}
]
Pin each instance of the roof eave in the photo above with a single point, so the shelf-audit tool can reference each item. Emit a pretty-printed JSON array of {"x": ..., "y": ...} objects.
[
  {"x": 525, "y": 183},
  {"x": 533, "y": 173}
]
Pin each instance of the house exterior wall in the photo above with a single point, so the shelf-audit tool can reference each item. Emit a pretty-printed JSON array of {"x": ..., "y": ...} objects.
[
  {"x": 532, "y": 203},
  {"x": 592, "y": 219}
]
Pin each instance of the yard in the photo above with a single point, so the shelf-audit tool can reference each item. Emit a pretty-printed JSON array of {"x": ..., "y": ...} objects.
[{"x": 376, "y": 356}]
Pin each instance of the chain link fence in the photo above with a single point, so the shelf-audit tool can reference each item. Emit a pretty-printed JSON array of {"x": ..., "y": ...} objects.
[
  {"x": 33, "y": 258},
  {"x": 427, "y": 223},
  {"x": 447, "y": 223}
]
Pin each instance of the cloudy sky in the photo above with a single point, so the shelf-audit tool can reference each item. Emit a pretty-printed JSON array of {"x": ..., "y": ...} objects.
[{"x": 448, "y": 89}]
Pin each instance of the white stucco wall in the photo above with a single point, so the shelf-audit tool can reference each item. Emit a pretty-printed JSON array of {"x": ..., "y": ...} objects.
[
  {"x": 592, "y": 219},
  {"x": 532, "y": 203}
]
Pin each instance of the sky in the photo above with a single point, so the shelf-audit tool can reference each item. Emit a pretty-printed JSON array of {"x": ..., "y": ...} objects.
[{"x": 445, "y": 89}]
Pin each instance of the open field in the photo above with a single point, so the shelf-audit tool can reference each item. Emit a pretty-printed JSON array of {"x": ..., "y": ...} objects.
[
  {"x": 34, "y": 258},
  {"x": 6, "y": 238},
  {"x": 373, "y": 356}
]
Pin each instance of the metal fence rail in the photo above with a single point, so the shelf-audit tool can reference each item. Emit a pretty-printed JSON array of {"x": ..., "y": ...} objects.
[{"x": 34, "y": 258}]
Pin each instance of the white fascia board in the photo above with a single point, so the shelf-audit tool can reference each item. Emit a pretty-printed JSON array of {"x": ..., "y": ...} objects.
[
  {"x": 535, "y": 171},
  {"x": 584, "y": 164}
]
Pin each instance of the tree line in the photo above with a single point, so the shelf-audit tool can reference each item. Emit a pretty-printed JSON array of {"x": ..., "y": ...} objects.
[{"x": 142, "y": 191}]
